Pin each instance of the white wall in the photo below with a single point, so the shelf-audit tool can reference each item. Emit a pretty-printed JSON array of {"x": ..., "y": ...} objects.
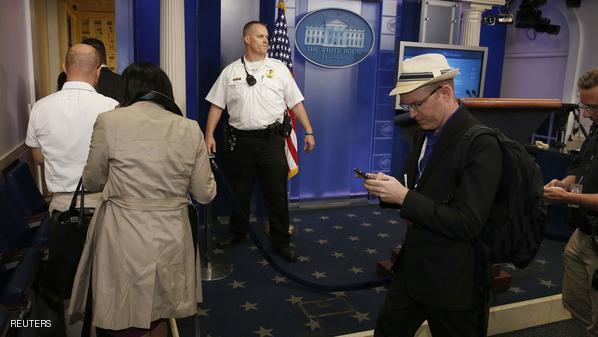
[
  {"x": 16, "y": 76},
  {"x": 536, "y": 63},
  {"x": 588, "y": 14},
  {"x": 234, "y": 15}
]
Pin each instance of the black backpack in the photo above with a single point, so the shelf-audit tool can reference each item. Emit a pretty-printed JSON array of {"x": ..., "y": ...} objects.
[{"x": 515, "y": 227}]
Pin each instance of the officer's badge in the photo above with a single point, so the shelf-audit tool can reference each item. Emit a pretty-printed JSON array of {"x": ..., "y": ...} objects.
[{"x": 270, "y": 73}]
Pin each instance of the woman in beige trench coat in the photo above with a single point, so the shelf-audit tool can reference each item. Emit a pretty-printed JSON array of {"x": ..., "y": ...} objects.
[{"x": 139, "y": 251}]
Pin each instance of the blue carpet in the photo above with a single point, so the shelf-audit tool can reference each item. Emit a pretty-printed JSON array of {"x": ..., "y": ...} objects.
[
  {"x": 336, "y": 246},
  {"x": 543, "y": 277}
]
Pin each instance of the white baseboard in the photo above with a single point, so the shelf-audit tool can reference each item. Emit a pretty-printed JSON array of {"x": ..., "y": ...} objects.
[
  {"x": 12, "y": 155},
  {"x": 509, "y": 317}
]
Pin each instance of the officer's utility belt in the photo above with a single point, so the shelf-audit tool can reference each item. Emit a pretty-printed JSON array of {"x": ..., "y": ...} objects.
[
  {"x": 271, "y": 130},
  {"x": 231, "y": 134}
]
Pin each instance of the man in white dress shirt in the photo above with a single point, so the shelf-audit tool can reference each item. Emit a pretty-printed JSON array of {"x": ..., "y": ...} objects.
[
  {"x": 257, "y": 90},
  {"x": 59, "y": 133},
  {"x": 60, "y": 125}
]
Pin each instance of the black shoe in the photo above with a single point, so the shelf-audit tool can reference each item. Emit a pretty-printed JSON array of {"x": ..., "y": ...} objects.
[
  {"x": 286, "y": 253},
  {"x": 233, "y": 240}
]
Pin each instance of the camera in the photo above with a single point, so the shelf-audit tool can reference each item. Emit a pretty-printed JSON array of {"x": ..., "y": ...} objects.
[
  {"x": 529, "y": 16},
  {"x": 489, "y": 20},
  {"x": 505, "y": 18},
  {"x": 544, "y": 26}
]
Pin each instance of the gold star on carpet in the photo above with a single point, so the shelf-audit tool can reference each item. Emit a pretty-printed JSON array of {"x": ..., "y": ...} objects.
[
  {"x": 365, "y": 224},
  {"x": 356, "y": 270},
  {"x": 371, "y": 251},
  {"x": 338, "y": 254},
  {"x": 302, "y": 258},
  {"x": 383, "y": 235},
  {"x": 263, "y": 262},
  {"x": 236, "y": 284},
  {"x": 202, "y": 312},
  {"x": 253, "y": 247},
  {"x": 376, "y": 213},
  {"x": 353, "y": 238},
  {"x": 323, "y": 217},
  {"x": 547, "y": 283},
  {"x": 337, "y": 227},
  {"x": 313, "y": 325},
  {"x": 263, "y": 332},
  {"x": 393, "y": 222},
  {"x": 279, "y": 279},
  {"x": 516, "y": 290},
  {"x": 322, "y": 241},
  {"x": 218, "y": 251},
  {"x": 297, "y": 220},
  {"x": 380, "y": 289},
  {"x": 339, "y": 293},
  {"x": 361, "y": 316},
  {"x": 249, "y": 306},
  {"x": 318, "y": 274},
  {"x": 308, "y": 230},
  {"x": 295, "y": 299},
  {"x": 351, "y": 215}
]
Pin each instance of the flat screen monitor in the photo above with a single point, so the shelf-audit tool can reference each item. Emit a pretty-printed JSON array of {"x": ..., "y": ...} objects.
[{"x": 471, "y": 62}]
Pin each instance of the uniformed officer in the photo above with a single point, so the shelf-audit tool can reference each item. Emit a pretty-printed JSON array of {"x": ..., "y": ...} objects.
[{"x": 257, "y": 91}]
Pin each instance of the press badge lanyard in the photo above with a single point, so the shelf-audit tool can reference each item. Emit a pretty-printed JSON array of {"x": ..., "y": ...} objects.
[
  {"x": 594, "y": 137},
  {"x": 420, "y": 169}
]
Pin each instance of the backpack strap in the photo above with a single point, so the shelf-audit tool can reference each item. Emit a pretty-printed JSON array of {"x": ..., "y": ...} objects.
[{"x": 460, "y": 157}]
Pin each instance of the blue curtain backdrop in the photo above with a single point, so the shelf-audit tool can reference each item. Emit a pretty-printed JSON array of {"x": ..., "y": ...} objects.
[{"x": 340, "y": 104}]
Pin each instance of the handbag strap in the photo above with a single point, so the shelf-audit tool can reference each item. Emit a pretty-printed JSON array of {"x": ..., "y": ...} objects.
[{"x": 78, "y": 191}]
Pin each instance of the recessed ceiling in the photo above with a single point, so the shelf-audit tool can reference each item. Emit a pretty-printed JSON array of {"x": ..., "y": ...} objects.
[{"x": 94, "y": 5}]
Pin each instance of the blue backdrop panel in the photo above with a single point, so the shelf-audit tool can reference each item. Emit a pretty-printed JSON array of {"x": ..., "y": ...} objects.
[
  {"x": 208, "y": 53},
  {"x": 494, "y": 38},
  {"x": 191, "y": 20},
  {"x": 340, "y": 104},
  {"x": 364, "y": 111},
  {"x": 147, "y": 30}
]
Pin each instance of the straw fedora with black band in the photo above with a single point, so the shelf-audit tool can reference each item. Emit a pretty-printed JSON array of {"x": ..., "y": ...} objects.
[{"x": 422, "y": 70}]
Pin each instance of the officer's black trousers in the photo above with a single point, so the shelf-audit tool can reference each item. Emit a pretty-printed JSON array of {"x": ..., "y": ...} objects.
[{"x": 261, "y": 155}]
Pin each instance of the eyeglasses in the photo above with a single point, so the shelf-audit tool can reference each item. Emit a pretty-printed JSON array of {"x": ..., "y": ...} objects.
[
  {"x": 588, "y": 107},
  {"x": 417, "y": 105}
]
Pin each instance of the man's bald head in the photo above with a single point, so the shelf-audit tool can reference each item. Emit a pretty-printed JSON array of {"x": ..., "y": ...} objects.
[{"x": 82, "y": 63}]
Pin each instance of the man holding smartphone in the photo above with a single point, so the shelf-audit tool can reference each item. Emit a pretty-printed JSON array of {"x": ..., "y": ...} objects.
[
  {"x": 579, "y": 189},
  {"x": 446, "y": 218}
]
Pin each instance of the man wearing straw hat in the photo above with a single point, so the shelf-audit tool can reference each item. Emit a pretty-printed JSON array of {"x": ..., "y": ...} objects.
[{"x": 440, "y": 275}]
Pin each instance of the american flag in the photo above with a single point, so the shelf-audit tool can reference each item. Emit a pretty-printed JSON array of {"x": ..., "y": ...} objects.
[{"x": 281, "y": 50}]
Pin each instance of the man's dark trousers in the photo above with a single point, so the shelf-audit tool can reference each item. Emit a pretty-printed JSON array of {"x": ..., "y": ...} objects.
[
  {"x": 260, "y": 154},
  {"x": 401, "y": 316}
]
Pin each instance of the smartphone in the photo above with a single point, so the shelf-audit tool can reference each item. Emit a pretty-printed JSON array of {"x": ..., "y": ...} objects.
[{"x": 360, "y": 174}]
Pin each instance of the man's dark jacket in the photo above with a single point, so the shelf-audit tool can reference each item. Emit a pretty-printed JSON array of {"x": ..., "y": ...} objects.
[
  {"x": 438, "y": 256},
  {"x": 109, "y": 83}
]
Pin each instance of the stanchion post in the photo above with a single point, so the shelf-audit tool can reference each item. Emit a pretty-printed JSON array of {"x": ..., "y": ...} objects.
[{"x": 212, "y": 267}]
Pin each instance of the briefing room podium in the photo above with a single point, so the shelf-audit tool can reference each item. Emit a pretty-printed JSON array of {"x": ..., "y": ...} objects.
[{"x": 518, "y": 119}]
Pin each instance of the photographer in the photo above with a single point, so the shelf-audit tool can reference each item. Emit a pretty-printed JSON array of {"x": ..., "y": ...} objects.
[{"x": 579, "y": 189}]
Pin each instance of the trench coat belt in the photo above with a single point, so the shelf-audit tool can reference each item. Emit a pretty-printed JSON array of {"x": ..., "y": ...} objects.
[{"x": 146, "y": 204}]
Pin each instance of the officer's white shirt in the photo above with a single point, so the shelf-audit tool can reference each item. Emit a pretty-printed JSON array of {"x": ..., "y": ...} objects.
[
  {"x": 60, "y": 125},
  {"x": 255, "y": 107}
]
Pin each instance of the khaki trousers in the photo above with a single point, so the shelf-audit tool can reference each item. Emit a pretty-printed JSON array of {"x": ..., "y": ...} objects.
[{"x": 580, "y": 262}]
